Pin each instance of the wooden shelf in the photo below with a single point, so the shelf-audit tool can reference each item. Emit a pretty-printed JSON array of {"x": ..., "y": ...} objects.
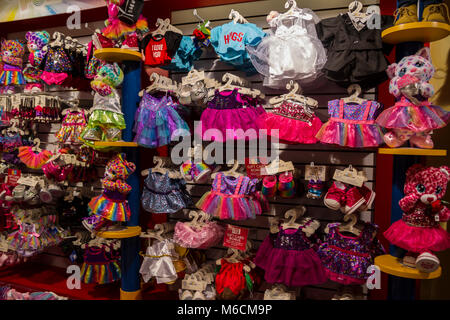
[
  {"x": 115, "y": 144},
  {"x": 117, "y": 55},
  {"x": 392, "y": 265},
  {"x": 413, "y": 152},
  {"x": 128, "y": 232},
  {"x": 416, "y": 31}
]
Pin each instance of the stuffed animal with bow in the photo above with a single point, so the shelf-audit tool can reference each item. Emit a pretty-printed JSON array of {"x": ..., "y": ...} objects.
[
  {"x": 412, "y": 117},
  {"x": 419, "y": 231},
  {"x": 12, "y": 52}
]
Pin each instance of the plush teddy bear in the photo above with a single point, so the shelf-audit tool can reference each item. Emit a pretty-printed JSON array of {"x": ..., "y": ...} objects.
[
  {"x": 106, "y": 120},
  {"x": 412, "y": 117},
  {"x": 37, "y": 46},
  {"x": 111, "y": 205},
  {"x": 12, "y": 52},
  {"x": 419, "y": 231}
]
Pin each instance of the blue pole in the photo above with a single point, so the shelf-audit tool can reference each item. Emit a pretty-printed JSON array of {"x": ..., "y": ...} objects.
[{"x": 131, "y": 246}]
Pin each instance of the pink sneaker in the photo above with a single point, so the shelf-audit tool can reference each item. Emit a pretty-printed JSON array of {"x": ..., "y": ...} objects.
[
  {"x": 369, "y": 197},
  {"x": 335, "y": 196},
  {"x": 353, "y": 200},
  {"x": 100, "y": 41},
  {"x": 423, "y": 141},
  {"x": 131, "y": 42}
]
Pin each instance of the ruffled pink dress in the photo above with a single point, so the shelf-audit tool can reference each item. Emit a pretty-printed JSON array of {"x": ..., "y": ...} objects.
[
  {"x": 292, "y": 122},
  {"x": 287, "y": 257},
  {"x": 198, "y": 238}
]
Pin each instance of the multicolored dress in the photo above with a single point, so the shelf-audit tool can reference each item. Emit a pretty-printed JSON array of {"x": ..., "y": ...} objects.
[
  {"x": 231, "y": 198},
  {"x": 347, "y": 258},
  {"x": 352, "y": 125},
  {"x": 100, "y": 266},
  {"x": 72, "y": 126}
]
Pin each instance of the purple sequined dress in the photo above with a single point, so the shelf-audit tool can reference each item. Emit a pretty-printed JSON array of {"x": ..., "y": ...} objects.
[
  {"x": 287, "y": 257},
  {"x": 157, "y": 122},
  {"x": 346, "y": 258}
]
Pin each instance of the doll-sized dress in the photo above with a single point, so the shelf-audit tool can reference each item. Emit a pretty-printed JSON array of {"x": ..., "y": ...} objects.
[
  {"x": 291, "y": 51},
  {"x": 288, "y": 257},
  {"x": 292, "y": 122},
  {"x": 157, "y": 122},
  {"x": 72, "y": 126},
  {"x": 198, "y": 237},
  {"x": 158, "y": 262},
  {"x": 100, "y": 266},
  {"x": 417, "y": 118},
  {"x": 230, "y": 116},
  {"x": 346, "y": 258},
  {"x": 56, "y": 65},
  {"x": 352, "y": 125},
  {"x": 106, "y": 120},
  {"x": 232, "y": 282},
  {"x": 231, "y": 198},
  {"x": 163, "y": 194},
  {"x": 418, "y": 231}
]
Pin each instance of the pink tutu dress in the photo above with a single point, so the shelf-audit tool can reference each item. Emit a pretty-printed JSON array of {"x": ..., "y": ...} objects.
[
  {"x": 418, "y": 231},
  {"x": 292, "y": 122},
  {"x": 288, "y": 257},
  {"x": 231, "y": 198},
  {"x": 346, "y": 258},
  {"x": 229, "y": 116},
  {"x": 417, "y": 118},
  {"x": 352, "y": 125},
  {"x": 198, "y": 238}
]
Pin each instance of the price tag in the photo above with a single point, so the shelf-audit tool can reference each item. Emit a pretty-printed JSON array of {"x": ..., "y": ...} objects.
[
  {"x": 13, "y": 177},
  {"x": 315, "y": 172},
  {"x": 191, "y": 283},
  {"x": 235, "y": 237},
  {"x": 278, "y": 166},
  {"x": 28, "y": 181},
  {"x": 350, "y": 176}
]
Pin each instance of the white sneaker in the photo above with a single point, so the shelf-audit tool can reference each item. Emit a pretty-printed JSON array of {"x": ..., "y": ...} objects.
[{"x": 427, "y": 262}]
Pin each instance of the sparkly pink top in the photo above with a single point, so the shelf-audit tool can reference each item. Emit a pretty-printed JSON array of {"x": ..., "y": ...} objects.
[
  {"x": 420, "y": 216},
  {"x": 295, "y": 111}
]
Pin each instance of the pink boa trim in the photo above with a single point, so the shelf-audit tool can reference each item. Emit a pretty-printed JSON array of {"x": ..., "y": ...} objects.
[{"x": 53, "y": 78}]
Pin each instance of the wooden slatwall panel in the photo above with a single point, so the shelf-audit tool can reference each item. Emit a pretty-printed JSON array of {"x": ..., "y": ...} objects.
[
  {"x": 46, "y": 131},
  {"x": 334, "y": 157}
]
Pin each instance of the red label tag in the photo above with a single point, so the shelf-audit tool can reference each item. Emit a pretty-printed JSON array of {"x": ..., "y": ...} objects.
[
  {"x": 255, "y": 167},
  {"x": 235, "y": 237},
  {"x": 13, "y": 177}
]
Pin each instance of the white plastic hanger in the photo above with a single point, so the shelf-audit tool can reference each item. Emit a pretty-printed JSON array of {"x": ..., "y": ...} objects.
[
  {"x": 232, "y": 172},
  {"x": 354, "y": 90},
  {"x": 350, "y": 227},
  {"x": 159, "y": 168},
  {"x": 292, "y": 215},
  {"x": 236, "y": 17},
  {"x": 160, "y": 83},
  {"x": 294, "y": 95},
  {"x": 229, "y": 79},
  {"x": 163, "y": 27}
]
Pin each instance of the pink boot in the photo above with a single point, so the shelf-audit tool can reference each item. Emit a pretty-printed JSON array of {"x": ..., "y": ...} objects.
[{"x": 397, "y": 138}]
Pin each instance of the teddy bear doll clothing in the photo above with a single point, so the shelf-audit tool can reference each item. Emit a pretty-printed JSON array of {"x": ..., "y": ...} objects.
[
  {"x": 158, "y": 262},
  {"x": 354, "y": 56},
  {"x": 231, "y": 40},
  {"x": 412, "y": 117},
  {"x": 419, "y": 230},
  {"x": 100, "y": 266},
  {"x": 112, "y": 204},
  {"x": 346, "y": 258},
  {"x": 157, "y": 122},
  {"x": 36, "y": 42},
  {"x": 72, "y": 126},
  {"x": 163, "y": 194},
  {"x": 201, "y": 237},
  {"x": 231, "y": 198},
  {"x": 12, "y": 52},
  {"x": 106, "y": 120},
  {"x": 292, "y": 122},
  {"x": 232, "y": 281},
  {"x": 291, "y": 51},
  {"x": 352, "y": 125},
  {"x": 56, "y": 65},
  {"x": 288, "y": 257}
]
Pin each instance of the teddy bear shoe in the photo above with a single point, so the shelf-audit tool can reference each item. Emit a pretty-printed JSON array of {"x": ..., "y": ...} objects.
[{"x": 427, "y": 262}]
